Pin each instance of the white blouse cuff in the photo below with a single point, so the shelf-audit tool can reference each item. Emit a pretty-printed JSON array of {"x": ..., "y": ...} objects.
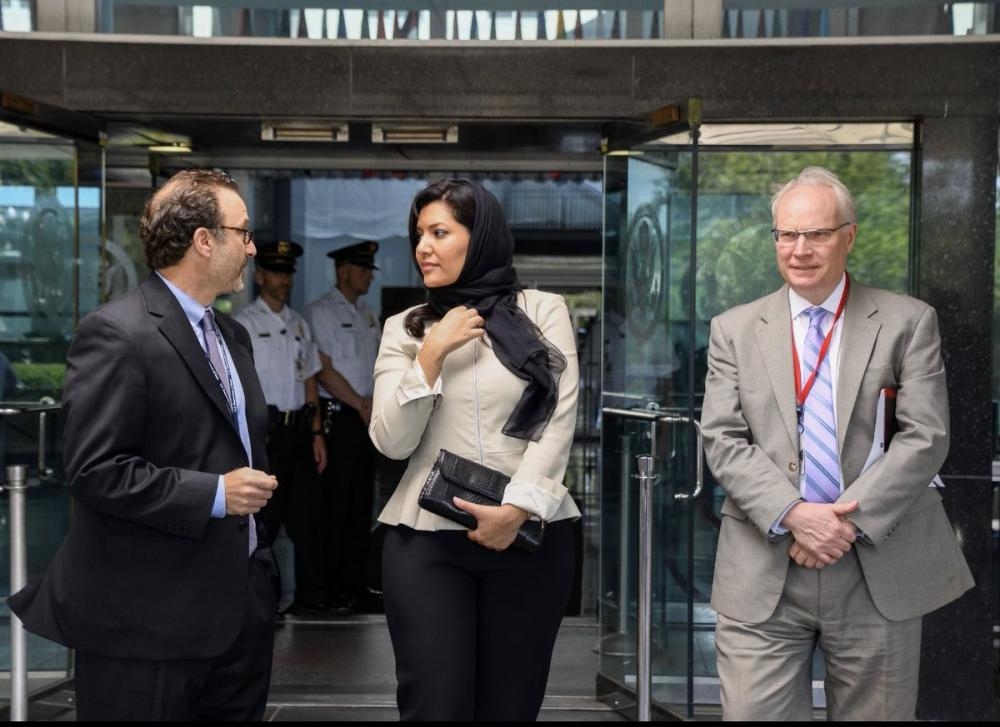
[
  {"x": 414, "y": 385},
  {"x": 533, "y": 499}
]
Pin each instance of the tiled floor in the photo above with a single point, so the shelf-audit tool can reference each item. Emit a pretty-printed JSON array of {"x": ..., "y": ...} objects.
[
  {"x": 340, "y": 670},
  {"x": 343, "y": 669}
]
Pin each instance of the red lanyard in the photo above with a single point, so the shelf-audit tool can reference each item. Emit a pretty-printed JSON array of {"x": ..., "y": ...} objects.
[{"x": 801, "y": 392}]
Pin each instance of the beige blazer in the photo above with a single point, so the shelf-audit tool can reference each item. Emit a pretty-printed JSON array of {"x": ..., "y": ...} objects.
[
  {"x": 477, "y": 394},
  {"x": 911, "y": 561}
]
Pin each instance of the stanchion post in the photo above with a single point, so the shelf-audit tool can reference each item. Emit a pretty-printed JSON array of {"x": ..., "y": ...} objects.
[
  {"x": 17, "y": 481},
  {"x": 647, "y": 478}
]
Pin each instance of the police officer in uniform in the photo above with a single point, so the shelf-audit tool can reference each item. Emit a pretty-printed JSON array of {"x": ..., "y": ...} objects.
[
  {"x": 287, "y": 359},
  {"x": 348, "y": 334}
]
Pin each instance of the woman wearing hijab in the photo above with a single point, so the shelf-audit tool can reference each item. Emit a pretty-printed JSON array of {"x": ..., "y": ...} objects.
[{"x": 487, "y": 370}]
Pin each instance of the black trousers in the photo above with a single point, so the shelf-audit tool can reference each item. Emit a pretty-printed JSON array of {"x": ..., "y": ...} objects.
[
  {"x": 348, "y": 492},
  {"x": 473, "y": 629},
  {"x": 297, "y": 505},
  {"x": 230, "y": 687}
]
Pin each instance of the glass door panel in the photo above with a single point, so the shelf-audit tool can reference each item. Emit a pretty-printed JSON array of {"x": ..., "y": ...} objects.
[
  {"x": 647, "y": 242},
  {"x": 51, "y": 228}
]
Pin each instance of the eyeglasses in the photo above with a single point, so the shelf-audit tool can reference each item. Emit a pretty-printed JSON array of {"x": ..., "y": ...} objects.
[
  {"x": 247, "y": 234},
  {"x": 815, "y": 236}
]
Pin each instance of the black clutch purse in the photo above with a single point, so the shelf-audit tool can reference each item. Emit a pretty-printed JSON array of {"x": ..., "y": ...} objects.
[{"x": 454, "y": 476}]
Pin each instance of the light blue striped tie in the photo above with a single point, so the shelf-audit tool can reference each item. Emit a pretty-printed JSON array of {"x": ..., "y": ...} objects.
[{"x": 821, "y": 482}]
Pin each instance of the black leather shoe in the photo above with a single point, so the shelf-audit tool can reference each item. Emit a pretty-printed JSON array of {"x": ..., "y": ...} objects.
[
  {"x": 317, "y": 608},
  {"x": 342, "y": 606},
  {"x": 370, "y": 601}
]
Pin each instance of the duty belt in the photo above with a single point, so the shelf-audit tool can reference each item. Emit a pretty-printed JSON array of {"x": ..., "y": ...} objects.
[
  {"x": 295, "y": 418},
  {"x": 332, "y": 406},
  {"x": 329, "y": 407}
]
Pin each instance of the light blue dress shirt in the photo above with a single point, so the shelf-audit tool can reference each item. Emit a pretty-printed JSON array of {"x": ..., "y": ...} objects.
[{"x": 195, "y": 311}]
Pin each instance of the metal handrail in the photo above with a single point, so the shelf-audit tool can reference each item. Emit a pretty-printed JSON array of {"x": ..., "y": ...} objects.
[{"x": 655, "y": 416}]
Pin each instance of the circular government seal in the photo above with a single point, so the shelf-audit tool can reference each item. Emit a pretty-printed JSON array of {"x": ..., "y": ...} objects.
[{"x": 644, "y": 271}]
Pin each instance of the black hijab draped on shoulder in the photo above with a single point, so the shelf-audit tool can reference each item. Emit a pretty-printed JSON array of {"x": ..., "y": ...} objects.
[{"x": 488, "y": 283}]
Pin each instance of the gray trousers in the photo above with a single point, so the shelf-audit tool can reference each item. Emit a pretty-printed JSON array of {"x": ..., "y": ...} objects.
[{"x": 872, "y": 664}]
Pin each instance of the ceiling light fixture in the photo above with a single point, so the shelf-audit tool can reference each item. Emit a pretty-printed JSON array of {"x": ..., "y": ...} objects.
[
  {"x": 414, "y": 133},
  {"x": 303, "y": 130},
  {"x": 176, "y": 148}
]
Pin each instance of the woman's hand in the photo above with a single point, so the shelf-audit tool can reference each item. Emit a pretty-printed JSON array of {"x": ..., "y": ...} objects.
[
  {"x": 459, "y": 326},
  {"x": 497, "y": 525}
]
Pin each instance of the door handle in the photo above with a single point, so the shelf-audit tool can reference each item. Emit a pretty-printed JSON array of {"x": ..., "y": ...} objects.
[
  {"x": 699, "y": 472},
  {"x": 655, "y": 417}
]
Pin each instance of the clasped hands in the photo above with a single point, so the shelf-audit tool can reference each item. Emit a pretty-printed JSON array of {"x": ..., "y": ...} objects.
[{"x": 821, "y": 532}]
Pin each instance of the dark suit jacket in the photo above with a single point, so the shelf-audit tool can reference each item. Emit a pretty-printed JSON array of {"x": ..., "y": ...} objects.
[{"x": 145, "y": 572}]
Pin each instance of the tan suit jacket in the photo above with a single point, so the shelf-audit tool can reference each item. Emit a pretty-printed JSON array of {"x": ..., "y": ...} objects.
[
  {"x": 478, "y": 394},
  {"x": 910, "y": 557}
]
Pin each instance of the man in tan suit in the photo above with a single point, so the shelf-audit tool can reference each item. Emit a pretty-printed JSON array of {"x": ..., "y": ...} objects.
[{"x": 815, "y": 548}]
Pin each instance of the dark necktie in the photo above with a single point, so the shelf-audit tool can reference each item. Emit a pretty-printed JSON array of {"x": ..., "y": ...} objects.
[{"x": 219, "y": 366}]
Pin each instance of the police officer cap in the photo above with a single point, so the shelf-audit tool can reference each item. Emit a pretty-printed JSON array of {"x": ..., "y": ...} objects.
[
  {"x": 361, "y": 254},
  {"x": 278, "y": 256}
]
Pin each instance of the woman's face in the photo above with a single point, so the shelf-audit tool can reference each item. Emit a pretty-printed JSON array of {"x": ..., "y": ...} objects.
[{"x": 442, "y": 243}]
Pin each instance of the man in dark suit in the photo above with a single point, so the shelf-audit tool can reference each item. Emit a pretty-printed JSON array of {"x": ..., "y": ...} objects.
[{"x": 159, "y": 585}]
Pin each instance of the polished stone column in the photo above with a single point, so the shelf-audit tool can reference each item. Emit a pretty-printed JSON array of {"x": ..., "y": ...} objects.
[{"x": 954, "y": 273}]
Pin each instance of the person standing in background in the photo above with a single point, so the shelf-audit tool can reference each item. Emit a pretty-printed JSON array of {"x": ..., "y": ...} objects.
[
  {"x": 287, "y": 360},
  {"x": 348, "y": 335}
]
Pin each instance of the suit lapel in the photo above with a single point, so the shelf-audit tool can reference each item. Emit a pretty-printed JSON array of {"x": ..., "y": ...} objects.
[
  {"x": 774, "y": 339},
  {"x": 241, "y": 357},
  {"x": 242, "y": 360},
  {"x": 253, "y": 395},
  {"x": 177, "y": 330},
  {"x": 856, "y": 345}
]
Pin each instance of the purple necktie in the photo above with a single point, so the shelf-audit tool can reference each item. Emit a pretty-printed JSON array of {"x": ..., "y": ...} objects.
[
  {"x": 220, "y": 368},
  {"x": 821, "y": 463},
  {"x": 215, "y": 358}
]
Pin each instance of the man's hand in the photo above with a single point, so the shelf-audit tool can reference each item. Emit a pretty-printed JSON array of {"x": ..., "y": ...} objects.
[
  {"x": 497, "y": 525},
  {"x": 820, "y": 530},
  {"x": 803, "y": 557},
  {"x": 247, "y": 490},
  {"x": 319, "y": 453},
  {"x": 365, "y": 410}
]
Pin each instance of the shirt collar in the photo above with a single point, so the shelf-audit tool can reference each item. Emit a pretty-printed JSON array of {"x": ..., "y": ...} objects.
[
  {"x": 194, "y": 310},
  {"x": 358, "y": 305},
  {"x": 338, "y": 296},
  {"x": 263, "y": 306},
  {"x": 798, "y": 304}
]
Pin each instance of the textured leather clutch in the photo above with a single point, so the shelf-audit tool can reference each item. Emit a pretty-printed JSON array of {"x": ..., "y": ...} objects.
[{"x": 454, "y": 476}]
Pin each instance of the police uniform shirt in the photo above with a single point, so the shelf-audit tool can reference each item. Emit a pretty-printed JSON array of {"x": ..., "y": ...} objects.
[
  {"x": 349, "y": 335},
  {"x": 284, "y": 353}
]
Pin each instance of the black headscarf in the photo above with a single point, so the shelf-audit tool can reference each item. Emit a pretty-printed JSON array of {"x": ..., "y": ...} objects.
[{"x": 488, "y": 283}]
